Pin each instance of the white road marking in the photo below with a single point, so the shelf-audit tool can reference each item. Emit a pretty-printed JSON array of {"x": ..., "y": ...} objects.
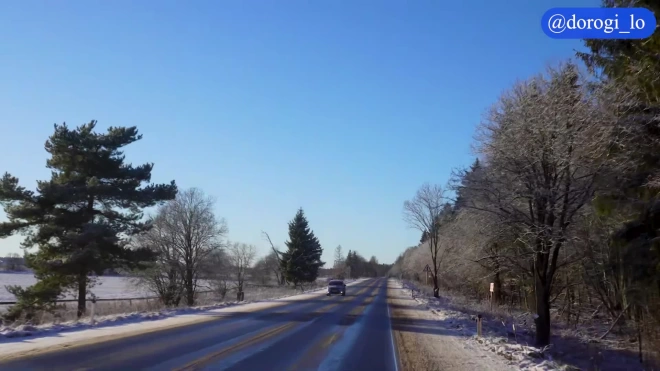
[{"x": 389, "y": 321}]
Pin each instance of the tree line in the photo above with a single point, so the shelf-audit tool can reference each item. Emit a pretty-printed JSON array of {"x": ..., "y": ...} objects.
[
  {"x": 88, "y": 219},
  {"x": 345, "y": 266},
  {"x": 354, "y": 265},
  {"x": 12, "y": 262},
  {"x": 561, "y": 209}
]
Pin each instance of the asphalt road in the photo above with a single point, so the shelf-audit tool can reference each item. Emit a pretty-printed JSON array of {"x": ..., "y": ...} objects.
[{"x": 321, "y": 333}]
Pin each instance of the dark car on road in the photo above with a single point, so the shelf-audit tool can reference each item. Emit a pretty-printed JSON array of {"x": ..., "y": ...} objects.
[{"x": 336, "y": 287}]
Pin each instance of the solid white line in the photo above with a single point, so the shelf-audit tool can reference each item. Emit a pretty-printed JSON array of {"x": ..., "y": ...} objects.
[{"x": 389, "y": 321}]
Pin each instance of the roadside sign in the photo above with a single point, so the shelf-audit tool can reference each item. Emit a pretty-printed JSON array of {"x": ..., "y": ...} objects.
[
  {"x": 427, "y": 269},
  {"x": 492, "y": 287}
]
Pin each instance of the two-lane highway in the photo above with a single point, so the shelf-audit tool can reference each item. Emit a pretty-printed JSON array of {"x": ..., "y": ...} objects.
[{"x": 321, "y": 333}]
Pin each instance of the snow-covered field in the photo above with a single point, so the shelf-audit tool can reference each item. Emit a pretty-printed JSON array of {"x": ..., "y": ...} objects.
[{"x": 106, "y": 288}]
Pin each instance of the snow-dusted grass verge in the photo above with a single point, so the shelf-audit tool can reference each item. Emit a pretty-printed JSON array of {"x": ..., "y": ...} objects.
[
  {"x": 511, "y": 337},
  {"x": 266, "y": 297},
  {"x": 522, "y": 356}
]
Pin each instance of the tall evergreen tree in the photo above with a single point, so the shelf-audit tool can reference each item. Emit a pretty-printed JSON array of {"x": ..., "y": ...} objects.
[
  {"x": 425, "y": 237},
  {"x": 302, "y": 259},
  {"x": 461, "y": 184},
  {"x": 632, "y": 58},
  {"x": 350, "y": 264},
  {"x": 81, "y": 218}
]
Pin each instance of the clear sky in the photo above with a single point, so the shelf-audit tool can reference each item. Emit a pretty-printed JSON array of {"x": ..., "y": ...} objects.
[{"x": 343, "y": 107}]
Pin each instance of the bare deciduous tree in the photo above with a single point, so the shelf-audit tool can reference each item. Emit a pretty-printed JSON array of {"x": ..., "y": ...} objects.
[
  {"x": 217, "y": 271},
  {"x": 186, "y": 234},
  {"x": 423, "y": 213},
  {"x": 339, "y": 263},
  {"x": 164, "y": 277},
  {"x": 240, "y": 257},
  {"x": 266, "y": 268},
  {"x": 281, "y": 280},
  {"x": 545, "y": 143}
]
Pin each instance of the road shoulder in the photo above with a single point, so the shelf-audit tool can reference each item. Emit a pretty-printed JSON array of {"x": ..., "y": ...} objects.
[{"x": 424, "y": 342}]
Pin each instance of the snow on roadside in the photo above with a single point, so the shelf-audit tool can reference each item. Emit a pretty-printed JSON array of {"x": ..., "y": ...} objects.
[
  {"x": 524, "y": 357},
  {"x": 26, "y": 330}
]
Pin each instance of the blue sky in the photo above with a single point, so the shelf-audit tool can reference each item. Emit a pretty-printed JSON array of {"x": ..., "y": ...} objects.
[{"x": 342, "y": 107}]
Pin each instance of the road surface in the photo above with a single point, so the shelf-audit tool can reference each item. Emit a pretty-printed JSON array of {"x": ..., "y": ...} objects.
[{"x": 321, "y": 333}]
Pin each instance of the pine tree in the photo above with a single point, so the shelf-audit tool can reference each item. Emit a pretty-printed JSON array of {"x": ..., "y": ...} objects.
[
  {"x": 632, "y": 58},
  {"x": 302, "y": 260},
  {"x": 462, "y": 183},
  {"x": 424, "y": 238},
  {"x": 350, "y": 264},
  {"x": 80, "y": 219}
]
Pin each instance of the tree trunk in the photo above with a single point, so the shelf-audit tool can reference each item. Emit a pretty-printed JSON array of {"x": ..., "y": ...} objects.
[
  {"x": 190, "y": 290},
  {"x": 497, "y": 287},
  {"x": 543, "y": 311},
  {"x": 82, "y": 294},
  {"x": 434, "y": 259}
]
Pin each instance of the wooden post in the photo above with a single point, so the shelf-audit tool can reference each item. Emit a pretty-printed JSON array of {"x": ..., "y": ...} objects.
[
  {"x": 91, "y": 319},
  {"x": 492, "y": 291},
  {"x": 479, "y": 325}
]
